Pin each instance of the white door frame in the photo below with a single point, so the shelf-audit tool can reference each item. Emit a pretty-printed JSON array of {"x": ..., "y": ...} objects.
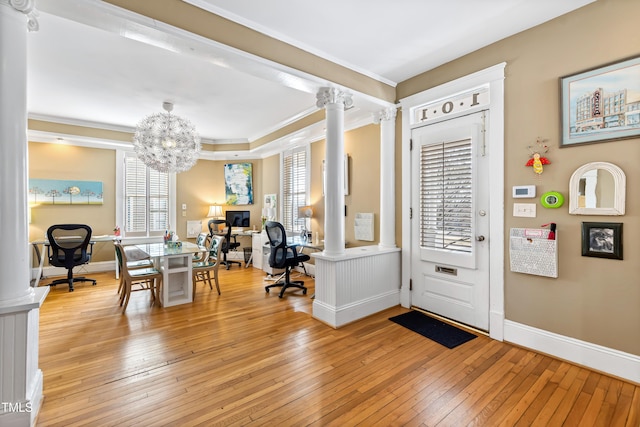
[{"x": 494, "y": 77}]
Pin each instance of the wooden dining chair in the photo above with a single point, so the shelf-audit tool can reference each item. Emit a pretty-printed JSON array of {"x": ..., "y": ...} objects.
[
  {"x": 201, "y": 240},
  {"x": 131, "y": 265},
  {"x": 202, "y": 270},
  {"x": 141, "y": 279}
]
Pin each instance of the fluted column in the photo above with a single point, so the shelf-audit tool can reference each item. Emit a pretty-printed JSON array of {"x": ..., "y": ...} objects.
[
  {"x": 20, "y": 378},
  {"x": 334, "y": 101},
  {"x": 387, "y": 120},
  {"x": 15, "y": 19}
]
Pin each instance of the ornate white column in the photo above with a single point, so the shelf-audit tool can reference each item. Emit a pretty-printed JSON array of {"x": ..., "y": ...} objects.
[
  {"x": 21, "y": 380},
  {"x": 355, "y": 282},
  {"x": 387, "y": 120},
  {"x": 334, "y": 101},
  {"x": 14, "y": 258}
]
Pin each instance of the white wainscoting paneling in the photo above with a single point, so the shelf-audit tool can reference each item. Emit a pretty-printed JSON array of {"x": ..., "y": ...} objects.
[{"x": 363, "y": 281}]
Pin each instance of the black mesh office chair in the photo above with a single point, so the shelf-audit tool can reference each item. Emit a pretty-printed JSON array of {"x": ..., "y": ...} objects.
[
  {"x": 230, "y": 243},
  {"x": 69, "y": 246},
  {"x": 283, "y": 256}
]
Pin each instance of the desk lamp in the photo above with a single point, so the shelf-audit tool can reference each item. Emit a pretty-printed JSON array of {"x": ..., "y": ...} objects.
[
  {"x": 305, "y": 212},
  {"x": 215, "y": 211}
]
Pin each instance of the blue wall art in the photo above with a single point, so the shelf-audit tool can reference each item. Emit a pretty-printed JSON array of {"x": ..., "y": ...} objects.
[
  {"x": 238, "y": 183},
  {"x": 64, "y": 192}
]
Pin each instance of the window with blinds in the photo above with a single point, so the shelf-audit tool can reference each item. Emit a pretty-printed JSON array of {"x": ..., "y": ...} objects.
[
  {"x": 146, "y": 194},
  {"x": 446, "y": 204},
  {"x": 294, "y": 188}
]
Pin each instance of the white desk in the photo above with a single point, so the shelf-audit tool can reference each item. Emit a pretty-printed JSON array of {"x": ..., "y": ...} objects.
[
  {"x": 244, "y": 233},
  {"x": 177, "y": 270},
  {"x": 261, "y": 250}
]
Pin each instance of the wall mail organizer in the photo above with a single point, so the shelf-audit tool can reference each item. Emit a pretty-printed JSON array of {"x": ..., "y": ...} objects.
[{"x": 533, "y": 251}]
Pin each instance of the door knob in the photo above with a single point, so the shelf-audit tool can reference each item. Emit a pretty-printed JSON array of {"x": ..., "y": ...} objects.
[{"x": 480, "y": 238}]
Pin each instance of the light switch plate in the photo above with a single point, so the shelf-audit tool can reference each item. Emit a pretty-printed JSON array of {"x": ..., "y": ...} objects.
[{"x": 524, "y": 210}]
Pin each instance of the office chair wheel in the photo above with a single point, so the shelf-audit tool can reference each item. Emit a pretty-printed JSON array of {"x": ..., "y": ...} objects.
[
  {"x": 304, "y": 291},
  {"x": 266, "y": 288}
]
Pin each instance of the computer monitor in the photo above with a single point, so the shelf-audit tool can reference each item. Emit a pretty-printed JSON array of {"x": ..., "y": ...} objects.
[{"x": 238, "y": 218}]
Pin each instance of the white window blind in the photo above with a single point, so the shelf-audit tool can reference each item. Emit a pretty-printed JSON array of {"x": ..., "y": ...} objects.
[
  {"x": 294, "y": 187},
  {"x": 146, "y": 194},
  {"x": 446, "y": 203}
]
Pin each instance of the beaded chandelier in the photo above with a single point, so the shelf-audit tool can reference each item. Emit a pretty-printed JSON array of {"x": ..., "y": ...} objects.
[{"x": 166, "y": 143}]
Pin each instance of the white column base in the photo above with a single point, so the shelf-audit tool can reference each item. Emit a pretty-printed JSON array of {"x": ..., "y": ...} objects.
[
  {"x": 22, "y": 384},
  {"x": 356, "y": 284}
]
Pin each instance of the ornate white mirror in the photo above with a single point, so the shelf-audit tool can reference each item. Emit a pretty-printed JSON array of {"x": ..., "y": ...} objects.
[{"x": 597, "y": 188}]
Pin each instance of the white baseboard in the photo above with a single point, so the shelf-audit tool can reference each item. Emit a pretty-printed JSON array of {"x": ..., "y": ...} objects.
[
  {"x": 310, "y": 269},
  {"x": 92, "y": 267},
  {"x": 602, "y": 359},
  {"x": 340, "y": 316}
]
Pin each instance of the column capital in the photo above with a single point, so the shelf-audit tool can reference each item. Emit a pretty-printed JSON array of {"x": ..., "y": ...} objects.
[
  {"x": 385, "y": 114},
  {"x": 332, "y": 95},
  {"x": 28, "y": 7}
]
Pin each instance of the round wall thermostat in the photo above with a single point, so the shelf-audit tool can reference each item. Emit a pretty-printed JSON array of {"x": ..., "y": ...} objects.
[{"x": 552, "y": 199}]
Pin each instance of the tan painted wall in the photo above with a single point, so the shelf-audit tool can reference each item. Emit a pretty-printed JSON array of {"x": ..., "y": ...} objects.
[
  {"x": 203, "y": 185},
  {"x": 198, "y": 188},
  {"x": 363, "y": 147},
  {"x": 270, "y": 178},
  {"x": 593, "y": 299},
  {"x": 59, "y": 161}
]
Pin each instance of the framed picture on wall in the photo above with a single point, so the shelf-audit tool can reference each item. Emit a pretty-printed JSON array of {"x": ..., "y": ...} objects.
[
  {"x": 602, "y": 239},
  {"x": 270, "y": 208},
  {"x": 346, "y": 176},
  {"x": 601, "y": 104},
  {"x": 64, "y": 192},
  {"x": 238, "y": 183}
]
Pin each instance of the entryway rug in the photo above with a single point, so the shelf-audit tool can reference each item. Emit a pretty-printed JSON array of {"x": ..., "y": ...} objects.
[{"x": 434, "y": 329}]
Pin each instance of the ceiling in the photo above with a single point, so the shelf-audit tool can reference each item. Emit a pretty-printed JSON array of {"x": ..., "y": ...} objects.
[{"x": 83, "y": 68}]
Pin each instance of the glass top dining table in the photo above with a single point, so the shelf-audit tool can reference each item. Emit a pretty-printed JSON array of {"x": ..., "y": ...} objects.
[
  {"x": 176, "y": 265},
  {"x": 156, "y": 250}
]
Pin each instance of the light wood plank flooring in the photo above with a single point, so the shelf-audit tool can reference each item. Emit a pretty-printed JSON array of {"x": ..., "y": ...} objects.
[{"x": 249, "y": 358}]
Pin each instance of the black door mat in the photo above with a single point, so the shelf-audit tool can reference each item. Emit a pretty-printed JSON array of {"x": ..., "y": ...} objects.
[{"x": 434, "y": 329}]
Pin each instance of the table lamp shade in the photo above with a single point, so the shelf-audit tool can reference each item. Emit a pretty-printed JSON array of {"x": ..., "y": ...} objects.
[
  {"x": 215, "y": 211},
  {"x": 305, "y": 212}
]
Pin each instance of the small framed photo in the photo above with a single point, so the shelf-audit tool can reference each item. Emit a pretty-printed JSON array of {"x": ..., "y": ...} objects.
[
  {"x": 601, "y": 104},
  {"x": 602, "y": 239}
]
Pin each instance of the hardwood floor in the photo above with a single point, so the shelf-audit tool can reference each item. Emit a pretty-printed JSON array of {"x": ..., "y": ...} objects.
[{"x": 249, "y": 358}]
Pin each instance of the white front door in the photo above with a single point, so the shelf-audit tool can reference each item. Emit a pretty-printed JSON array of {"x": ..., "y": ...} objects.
[{"x": 450, "y": 219}]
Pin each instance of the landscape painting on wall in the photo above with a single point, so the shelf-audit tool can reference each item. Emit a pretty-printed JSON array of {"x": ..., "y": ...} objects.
[
  {"x": 238, "y": 183},
  {"x": 64, "y": 192}
]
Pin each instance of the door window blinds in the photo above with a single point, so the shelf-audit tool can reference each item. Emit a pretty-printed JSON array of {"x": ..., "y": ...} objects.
[{"x": 446, "y": 199}]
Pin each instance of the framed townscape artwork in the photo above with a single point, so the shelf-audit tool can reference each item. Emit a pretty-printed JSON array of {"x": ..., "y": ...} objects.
[
  {"x": 602, "y": 239},
  {"x": 64, "y": 192},
  {"x": 601, "y": 104}
]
